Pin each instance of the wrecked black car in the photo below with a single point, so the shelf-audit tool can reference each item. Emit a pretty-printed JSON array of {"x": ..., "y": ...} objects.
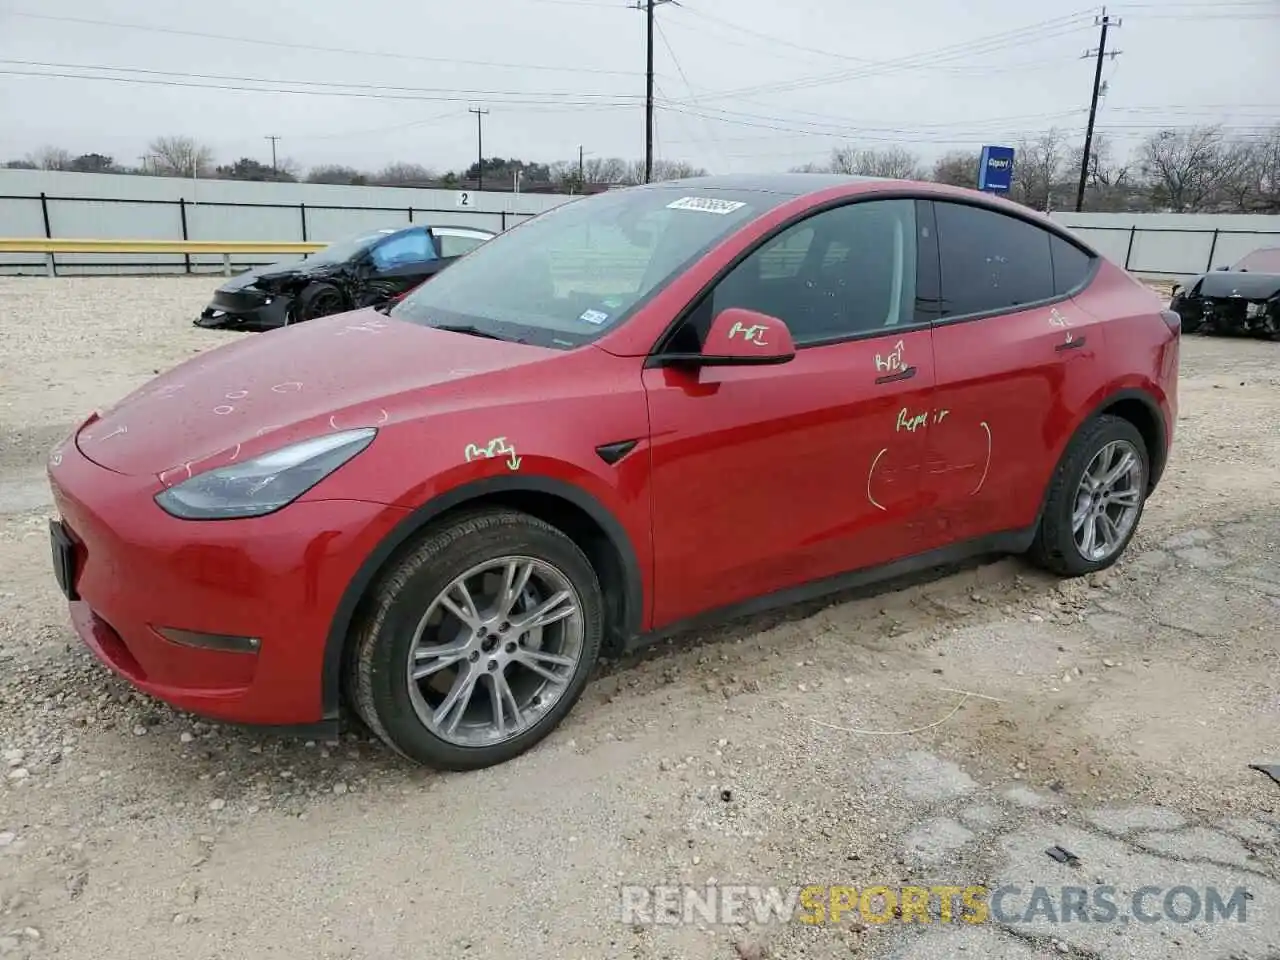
[
  {"x": 364, "y": 271},
  {"x": 1241, "y": 299}
]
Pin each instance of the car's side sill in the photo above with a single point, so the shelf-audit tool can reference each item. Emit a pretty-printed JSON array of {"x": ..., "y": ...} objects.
[{"x": 1010, "y": 541}]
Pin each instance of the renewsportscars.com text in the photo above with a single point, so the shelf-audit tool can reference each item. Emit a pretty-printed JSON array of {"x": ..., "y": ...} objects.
[{"x": 973, "y": 904}]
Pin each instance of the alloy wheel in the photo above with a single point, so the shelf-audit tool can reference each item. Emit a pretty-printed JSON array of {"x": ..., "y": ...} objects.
[
  {"x": 495, "y": 651},
  {"x": 1108, "y": 500}
]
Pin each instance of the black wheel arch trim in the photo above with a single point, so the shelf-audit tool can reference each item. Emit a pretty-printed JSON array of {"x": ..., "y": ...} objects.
[
  {"x": 340, "y": 625},
  {"x": 1158, "y": 457}
]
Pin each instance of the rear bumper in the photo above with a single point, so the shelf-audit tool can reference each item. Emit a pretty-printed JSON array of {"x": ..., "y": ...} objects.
[{"x": 276, "y": 579}]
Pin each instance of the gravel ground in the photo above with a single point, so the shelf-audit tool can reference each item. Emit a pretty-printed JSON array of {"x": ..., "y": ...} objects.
[{"x": 1117, "y": 718}]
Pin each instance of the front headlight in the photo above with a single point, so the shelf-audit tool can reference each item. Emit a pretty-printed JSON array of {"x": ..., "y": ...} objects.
[{"x": 266, "y": 483}]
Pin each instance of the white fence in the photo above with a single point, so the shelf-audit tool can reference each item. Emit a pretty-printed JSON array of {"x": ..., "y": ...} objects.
[{"x": 39, "y": 203}]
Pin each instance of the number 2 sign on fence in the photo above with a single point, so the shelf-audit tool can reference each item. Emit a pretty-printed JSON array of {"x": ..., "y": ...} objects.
[{"x": 464, "y": 199}]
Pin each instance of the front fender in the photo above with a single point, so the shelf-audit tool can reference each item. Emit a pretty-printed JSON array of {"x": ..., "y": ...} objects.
[{"x": 635, "y": 581}]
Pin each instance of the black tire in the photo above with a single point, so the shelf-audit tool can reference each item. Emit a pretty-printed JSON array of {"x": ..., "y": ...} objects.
[
  {"x": 1054, "y": 547},
  {"x": 377, "y": 674},
  {"x": 317, "y": 300}
]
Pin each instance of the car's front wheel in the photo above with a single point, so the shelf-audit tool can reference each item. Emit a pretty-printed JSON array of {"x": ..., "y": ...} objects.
[
  {"x": 316, "y": 300},
  {"x": 1095, "y": 499},
  {"x": 479, "y": 642}
]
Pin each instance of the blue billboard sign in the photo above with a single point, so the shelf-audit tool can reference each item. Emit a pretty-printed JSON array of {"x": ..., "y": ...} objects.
[{"x": 995, "y": 171}]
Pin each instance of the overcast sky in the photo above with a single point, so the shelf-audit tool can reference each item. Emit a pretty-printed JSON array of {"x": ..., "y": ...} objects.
[{"x": 742, "y": 84}]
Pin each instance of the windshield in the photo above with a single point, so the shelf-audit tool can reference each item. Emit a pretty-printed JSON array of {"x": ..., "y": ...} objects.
[
  {"x": 568, "y": 275},
  {"x": 343, "y": 250},
  {"x": 1261, "y": 261}
]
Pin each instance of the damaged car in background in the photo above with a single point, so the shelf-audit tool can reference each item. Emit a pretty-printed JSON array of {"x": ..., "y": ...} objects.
[
  {"x": 1241, "y": 299},
  {"x": 369, "y": 270}
]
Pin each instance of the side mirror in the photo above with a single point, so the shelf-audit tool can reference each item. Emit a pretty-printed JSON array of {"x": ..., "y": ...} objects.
[{"x": 739, "y": 338}]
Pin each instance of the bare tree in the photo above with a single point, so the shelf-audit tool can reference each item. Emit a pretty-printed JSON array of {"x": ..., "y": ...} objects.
[
  {"x": 1182, "y": 166},
  {"x": 1108, "y": 181},
  {"x": 181, "y": 156},
  {"x": 1038, "y": 170},
  {"x": 958, "y": 168},
  {"x": 334, "y": 173},
  {"x": 893, "y": 162},
  {"x": 52, "y": 158},
  {"x": 405, "y": 175},
  {"x": 1267, "y": 171}
]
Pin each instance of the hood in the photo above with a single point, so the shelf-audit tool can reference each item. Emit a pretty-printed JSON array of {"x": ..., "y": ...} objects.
[
  {"x": 341, "y": 372},
  {"x": 274, "y": 271},
  {"x": 1237, "y": 283}
]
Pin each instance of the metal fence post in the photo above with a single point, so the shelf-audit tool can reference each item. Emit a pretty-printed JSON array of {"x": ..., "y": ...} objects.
[
  {"x": 411, "y": 214},
  {"x": 302, "y": 209},
  {"x": 1213, "y": 247},
  {"x": 1129, "y": 253},
  {"x": 182, "y": 211},
  {"x": 503, "y": 214},
  {"x": 50, "y": 265}
]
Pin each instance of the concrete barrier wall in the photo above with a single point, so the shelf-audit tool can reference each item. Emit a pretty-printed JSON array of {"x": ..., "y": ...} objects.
[
  {"x": 1173, "y": 245},
  {"x": 40, "y": 203}
]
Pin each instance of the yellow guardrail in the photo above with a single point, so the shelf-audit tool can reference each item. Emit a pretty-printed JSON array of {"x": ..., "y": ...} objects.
[{"x": 226, "y": 248}]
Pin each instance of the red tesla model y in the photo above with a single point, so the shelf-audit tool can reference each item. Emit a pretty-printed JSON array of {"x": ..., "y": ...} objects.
[{"x": 639, "y": 410}]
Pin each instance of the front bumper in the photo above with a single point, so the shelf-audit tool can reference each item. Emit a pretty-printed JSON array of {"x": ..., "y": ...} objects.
[
  {"x": 277, "y": 579},
  {"x": 246, "y": 311}
]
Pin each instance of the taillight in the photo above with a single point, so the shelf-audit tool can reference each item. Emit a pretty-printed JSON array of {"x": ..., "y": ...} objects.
[{"x": 1172, "y": 320}]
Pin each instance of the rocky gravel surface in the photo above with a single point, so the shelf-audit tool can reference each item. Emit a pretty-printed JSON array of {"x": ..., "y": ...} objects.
[{"x": 946, "y": 731}]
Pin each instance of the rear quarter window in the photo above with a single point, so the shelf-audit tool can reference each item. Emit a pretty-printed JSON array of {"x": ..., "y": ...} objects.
[{"x": 1071, "y": 266}]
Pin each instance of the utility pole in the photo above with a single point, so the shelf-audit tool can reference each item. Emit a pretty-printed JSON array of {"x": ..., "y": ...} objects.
[
  {"x": 582, "y": 168},
  {"x": 479, "y": 145},
  {"x": 1104, "y": 22},
  {"x": 273, "y": 140},
  {"x": 648, "y": 7}
]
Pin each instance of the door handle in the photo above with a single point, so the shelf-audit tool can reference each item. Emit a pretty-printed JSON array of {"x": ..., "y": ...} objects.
[
  {"x": 906, "y": 374},
  {"x": 1072, "y": 344}
]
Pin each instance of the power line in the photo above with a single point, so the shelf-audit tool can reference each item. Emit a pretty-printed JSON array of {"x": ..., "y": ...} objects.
[
  {"x": 463, "y": 96},
  {"x": 711, "y": 137},
  {"x": 1020, "y": 37},
  {"x": 283, "y": 44},
  {"x": 470, "y": 91},
  {"x": 770, "y": 39}
]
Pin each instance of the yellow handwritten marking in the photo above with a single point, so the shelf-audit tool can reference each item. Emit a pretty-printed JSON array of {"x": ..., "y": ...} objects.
[
  {"x": 894, "y": 360},
  {"x": 911, "y": 423},
  {"x": 1057, "y": 319},
  {"x": 496, "y": 447},
  {"x": 752, "y": 334},
  {"x": 870, "y": 474},
  {"x": 940, "y": 416},
  {"x": 987, "y": 465}
]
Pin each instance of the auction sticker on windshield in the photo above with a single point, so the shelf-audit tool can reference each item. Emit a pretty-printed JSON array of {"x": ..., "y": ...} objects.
[{"x": 706, "y": 205}]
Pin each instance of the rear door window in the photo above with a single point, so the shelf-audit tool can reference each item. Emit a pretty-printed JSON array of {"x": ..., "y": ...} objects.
[{"x": 990, "y": 262}]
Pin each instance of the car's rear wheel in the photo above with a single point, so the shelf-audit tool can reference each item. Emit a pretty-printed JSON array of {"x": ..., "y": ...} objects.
[
  {"x": 317, "y": 300},
  {"x": 1095, "y": 499},
  {"x": 479, "y": 642}
]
